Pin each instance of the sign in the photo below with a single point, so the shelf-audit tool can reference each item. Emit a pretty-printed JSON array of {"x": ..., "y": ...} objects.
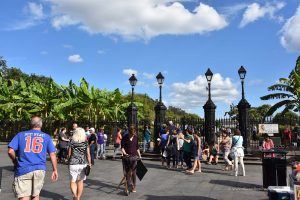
[{"x": 268, "y": 128}]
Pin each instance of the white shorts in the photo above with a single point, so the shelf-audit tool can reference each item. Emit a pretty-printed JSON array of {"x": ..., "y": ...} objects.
[{"x": 77, "y": 172}]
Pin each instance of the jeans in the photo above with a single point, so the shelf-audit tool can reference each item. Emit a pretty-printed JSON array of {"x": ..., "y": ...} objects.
[
  {"x": 146, "y": 145},
  {"x": 100, "y": 150},
  {"x": 62, "y": 154},
  {"x": 180, "y": 157},
  {"x": 116, "y": 150},
  {"x": 92, "y": 152},
  {"x": 187, "y": 159}
]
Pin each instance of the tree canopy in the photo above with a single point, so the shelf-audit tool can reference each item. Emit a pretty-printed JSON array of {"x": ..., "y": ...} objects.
[{"x": 23, "y": 95}]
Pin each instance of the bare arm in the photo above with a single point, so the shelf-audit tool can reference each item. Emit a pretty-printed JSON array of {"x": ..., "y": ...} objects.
[
  {"x": 54, "y": 176},
  {"x": 88, "y": 154},
  {"x": 124, "y": 152},
  {"x": 139, "y": 153},
  {"x": 12, "y": 154}
]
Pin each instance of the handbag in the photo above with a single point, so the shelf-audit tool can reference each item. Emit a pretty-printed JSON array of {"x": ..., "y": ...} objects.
[{"x": 87, "y": 170}]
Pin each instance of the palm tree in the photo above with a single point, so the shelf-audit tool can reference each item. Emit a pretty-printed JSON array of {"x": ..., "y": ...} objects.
[{"x": 287, "y": 90}]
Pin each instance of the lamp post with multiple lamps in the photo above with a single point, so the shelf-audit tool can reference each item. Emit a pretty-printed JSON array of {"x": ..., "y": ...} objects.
[
  {"x": 243, "y": 108},
  {"x": 209, "y": 112},
  {"x": 160, "y": 111},
  {"x": 132, "y": 109}
]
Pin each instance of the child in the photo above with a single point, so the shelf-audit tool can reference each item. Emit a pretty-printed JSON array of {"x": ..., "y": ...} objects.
[
  {"x": 205, "y": 152},
  {"x": 214, "y": 154}
]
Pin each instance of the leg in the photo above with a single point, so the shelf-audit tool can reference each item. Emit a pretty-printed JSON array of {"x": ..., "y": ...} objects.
[
  {"x": 144, "y": 146},
  {"x": 226, "y": 153},
  {"x": 25, "y": 198},
  {"x": 199, "y": 165},
  {"x": 98, "y": 151},
  {"x": 210, "y": 159},
  {"x": 92, "y": 152},
  {"x": 241, "y": 160},
  {"x": 236, "y": 166},
  {"x": 79, "y": 189},
  {"x": 73, "y": 187},
  {"x": 216, "y": 159},
  {"x": 133, "y": 170}
]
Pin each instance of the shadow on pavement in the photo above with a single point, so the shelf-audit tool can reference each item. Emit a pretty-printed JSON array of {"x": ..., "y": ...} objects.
[
  {"x": 52, "y": 195},
  {"x": 152, "y": 197},
  {"x": 100, "y": 185},
  {"x": 235, "y": 184}
]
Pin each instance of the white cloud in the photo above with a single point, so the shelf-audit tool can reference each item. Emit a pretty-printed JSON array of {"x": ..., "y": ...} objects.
[
  {"x": 136, "y": 19},
  {"x": 256, "y": 11},
  {"x": 194, "y": 94},
  {"x": 68, "y": 46},
  {"x": 44, "y": 52},
  {"x": 101, "y": 51},
  {"x": 148, "y": 75},
  {"x": 34, "y": 14},
  {"x": 75, "y": 58},
  {"x": 36, "y": 10},
  {"x": 290, "y": 37},
  {"x": 129, "y": 72}
]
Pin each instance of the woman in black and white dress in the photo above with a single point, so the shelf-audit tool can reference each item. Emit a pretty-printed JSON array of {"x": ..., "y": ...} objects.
[{"x": 79, "y": 157}]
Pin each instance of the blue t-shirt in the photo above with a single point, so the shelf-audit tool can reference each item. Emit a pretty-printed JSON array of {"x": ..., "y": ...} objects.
[
  {"x": 164, "y": 140},
  {"x": 31, "y": 148}
]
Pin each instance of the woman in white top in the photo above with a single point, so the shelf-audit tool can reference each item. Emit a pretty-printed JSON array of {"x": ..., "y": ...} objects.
[{"x": 238, "y": 149}]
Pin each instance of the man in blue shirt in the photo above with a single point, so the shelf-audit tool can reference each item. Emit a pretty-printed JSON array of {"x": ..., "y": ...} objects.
[{"x": 28, "y": 150}]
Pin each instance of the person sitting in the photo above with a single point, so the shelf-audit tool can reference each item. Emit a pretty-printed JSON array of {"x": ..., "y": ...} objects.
[
  {"x": 267, "y": 143},
  {"x": 205, "y": 152},
  {"x": 214, "y": 154}
]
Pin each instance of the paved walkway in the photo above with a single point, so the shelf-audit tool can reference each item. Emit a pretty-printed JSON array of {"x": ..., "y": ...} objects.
[{"x": 158, "y": 184}]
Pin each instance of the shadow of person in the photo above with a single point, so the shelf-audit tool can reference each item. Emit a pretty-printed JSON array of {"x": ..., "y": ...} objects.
[
  {"x": 152, "y": 197},
  {"x": 236, "y": 184},
  {"x": 100, "y": 185},
  {"x": 52, "y": 195}
]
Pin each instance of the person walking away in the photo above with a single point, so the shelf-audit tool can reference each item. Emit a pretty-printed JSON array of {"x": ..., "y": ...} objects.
[
  {"x": 92, "y": 144},
  {"x": 238, "y": 149},
  {"x": 63, "y": 145},
  {"x": 100, "y": 144},
  {"x": 131, "y": 152},
  {"x": 187, "y": 150},
  {"x": 117, "y": 143},
  {"x": 287, "y": 136},
  {"x": 28, "y": 150},
  {"x": 197, "y": 153},
  {"x": 164, "y": 137},
  {"x": 180, "y": 148},
  {"x": 79, "y": 157},
  {"x": 226, "y": 146},
  {"x": 174, "y": 148},
  {"x": 147, "y": 139}
]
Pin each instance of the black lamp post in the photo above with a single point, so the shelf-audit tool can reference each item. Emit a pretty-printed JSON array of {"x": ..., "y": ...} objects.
[
  {"x": 160, "y": 111},
  {"x": 132, "y": 109},
  {"x": 209, "y": 112},
  {"x": 243, "y": 108}
]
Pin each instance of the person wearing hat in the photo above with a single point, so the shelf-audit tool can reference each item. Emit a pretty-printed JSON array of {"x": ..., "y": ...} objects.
[{"x": 92, "y": 143}]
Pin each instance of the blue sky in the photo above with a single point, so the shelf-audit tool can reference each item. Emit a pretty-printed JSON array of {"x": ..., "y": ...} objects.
[{"x": 105, "y": 41}]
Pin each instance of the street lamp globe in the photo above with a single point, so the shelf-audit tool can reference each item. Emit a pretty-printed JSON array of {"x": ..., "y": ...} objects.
[
  {"x": 242, "y": 73},
  {"x": 160, "y": 78},
  {"x": 209, "y": 75},
  {"x": 132, "y": 80}
]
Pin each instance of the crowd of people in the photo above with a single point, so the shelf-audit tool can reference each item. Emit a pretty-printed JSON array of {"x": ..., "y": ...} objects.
[{"x": 180, "y": 145}]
